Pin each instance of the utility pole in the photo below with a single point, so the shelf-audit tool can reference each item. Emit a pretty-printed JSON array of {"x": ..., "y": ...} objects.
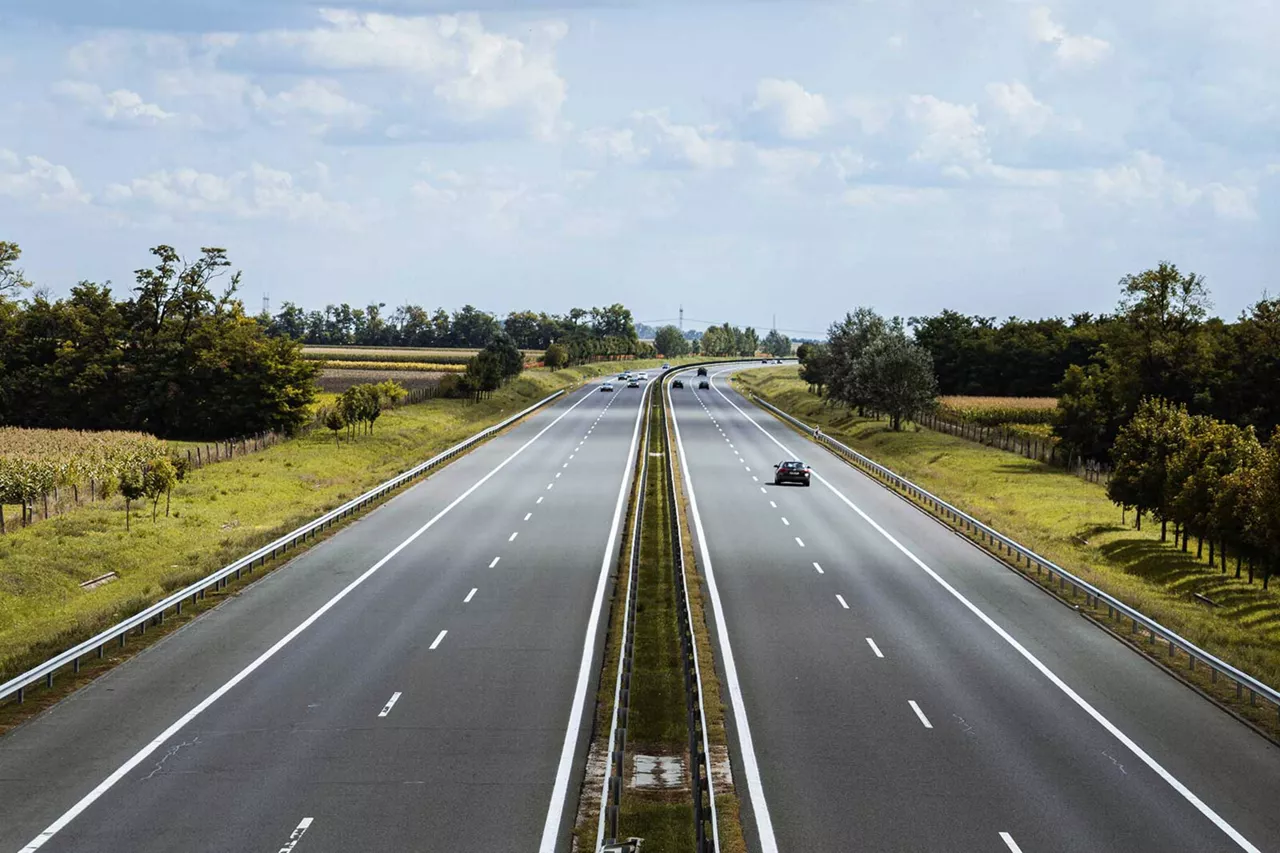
[
  {"x": 682, "y": 319},
  {"x": 266, "y": 303}
]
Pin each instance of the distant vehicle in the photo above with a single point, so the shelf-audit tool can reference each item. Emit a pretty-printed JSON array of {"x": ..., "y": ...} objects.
[
  {"x": 704, "y": 385},
  {"x": 606, "y": 386},
  {"x": 764, "y": 361},
  {"x": 791, "y": 471},
  {"x": 702, "y": 371},
  {"x": 678, "y": 383},
  {"x": 623, "y": 377},
  {"x": 666, "y": 365},
  {"x": 634, "y": 383},
  {"x": 643, "y": 377}
]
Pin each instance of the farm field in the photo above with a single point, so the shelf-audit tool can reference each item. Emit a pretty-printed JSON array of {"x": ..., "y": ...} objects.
[
  {"x": 426, "y": 355},
  {"x": 219, "y": 513},
  {"x": 994, "y": 411},
  {"x": 337, "y": 380},
  {"x": 1063, "y": 517}
]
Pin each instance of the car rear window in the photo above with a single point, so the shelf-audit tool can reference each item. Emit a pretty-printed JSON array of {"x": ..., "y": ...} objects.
[{"x": 792, "y": 464}]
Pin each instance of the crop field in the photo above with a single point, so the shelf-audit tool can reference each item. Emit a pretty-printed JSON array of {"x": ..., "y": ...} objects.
[
  {"x": 995, "y": 411},
  {"x": 336, "y": 380},
  {"x": 395, "y": 365},
  {"x": 434, "y": 356}
]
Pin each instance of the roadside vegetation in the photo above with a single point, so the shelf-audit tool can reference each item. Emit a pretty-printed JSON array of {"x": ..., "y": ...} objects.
[{"x": 1069, "y": 520}]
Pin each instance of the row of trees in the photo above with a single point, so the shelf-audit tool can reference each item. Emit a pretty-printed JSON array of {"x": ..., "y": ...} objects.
[
  {"x": 1210, "y": 479},
  {"x": 871, "y": 365},
  {"x": 174, "y": 358},
  {"x": 414, "y": 326},
  {"x": 1160, "y": 342}
]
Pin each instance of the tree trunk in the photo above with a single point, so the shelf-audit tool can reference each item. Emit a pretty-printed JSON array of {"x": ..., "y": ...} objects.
[
  {"x": 1, "y": 518},
  {"x": 1138, "y": 519},
  {"x": 1164, "y": 527},
  {"x": 1250, "y": 566},
  {"x": 1211, "y": 543},
  {"x": 1238, "y": 558},
  {"x": 167, "y": 495},
  {"x": 1186, "y": 538},
  {"x": 126, "y": 515},
  {"x": 1224, "y": 556},
  {"x": 1199, "y": 546}
]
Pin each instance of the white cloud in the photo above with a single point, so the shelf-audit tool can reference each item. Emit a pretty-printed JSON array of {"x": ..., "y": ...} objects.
[
  {"x": 259, "y": 192},
  {"x": 120, "y": 106},
  {"x": 477, "y": 74},
  {"x": 36, "y": 179},
  {"x": 650, "y": 137},
  {"x": 951, "y": 133},
  {"x": 1145, "y": 180},
  {"x": 796, "y": 113},
  {"x": 1071, "y": 50},
  {"x": 319, "y": 101},
  {"x": 895, "y": 42},
  {"x": 1019, "y": 107}
]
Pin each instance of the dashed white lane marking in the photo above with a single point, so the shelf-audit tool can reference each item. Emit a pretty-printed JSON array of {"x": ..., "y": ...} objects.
[
  {"x": 772, "y": 504},
  {"x": 874, "y": 647},
  {"x": 565, "y": 465},
  {"x": 470, "y": 596},
  {"x": 528, "y": 515},
  {"x": 762, "y": 491},
  {"x": 298, "y": 833},
  {"x": 539, "y": 500},
  {"x": 784, "y": 519},
  {"x": 549, "y": 485},
  {"x": 754, "y": 478},
  {"x": 819, "y": 568},
  {"x": 571, "y": 455},
  {"x": 391, "y": 703},
  {"x": 799, "y": 541},
  {"x": 513, "y": 536},
  {"x": 748, "y": 468},
  {"x": 495, "y": 562},
  {"x": 1010, "y": 843},
  {"x": 843, "y": 603},
  {"x": 436, "y": 641},
  {"x": 920, "y": 714}
]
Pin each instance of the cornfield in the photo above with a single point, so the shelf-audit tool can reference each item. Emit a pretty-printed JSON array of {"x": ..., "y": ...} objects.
[
  {"x": 995, "y": 411},
  {"x": 398, "y": 355},
  {"x": 34, "y": 462}
]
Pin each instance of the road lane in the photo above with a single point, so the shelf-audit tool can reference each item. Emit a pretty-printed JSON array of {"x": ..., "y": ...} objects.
[
  {"x": 468, "y": 757},
  {"x": 845, "y": 757}
]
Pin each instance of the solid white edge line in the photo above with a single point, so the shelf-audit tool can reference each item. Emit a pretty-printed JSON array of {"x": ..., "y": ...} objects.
[
  {"x": 559, "y": 792},
  {"x": 843, "y": 603},
  {"x": 470, "y": 595},
  {"x": 920, "y": 714},
  {"x": 750, "y": 767},
  {"x": 1186, "y": 793},
  {"x": 436, "y": 642},
  {"x": 874, "y": 647},
  {"x": 141, "y": 755},
  {"x": 1010, "y": 843},
  {"x": 297, "y": 834},
  {"x": 391, "y": 703}
]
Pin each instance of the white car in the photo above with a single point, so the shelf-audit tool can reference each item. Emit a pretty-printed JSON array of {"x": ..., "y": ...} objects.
[
  {"x": 643, "y": 377},
  {"x": 607, "y": 386}
]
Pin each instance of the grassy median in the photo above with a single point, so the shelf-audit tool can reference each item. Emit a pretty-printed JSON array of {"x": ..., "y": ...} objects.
[
  {"x": 220, "y": 513},
  {"x": 1067, "y": 520}
]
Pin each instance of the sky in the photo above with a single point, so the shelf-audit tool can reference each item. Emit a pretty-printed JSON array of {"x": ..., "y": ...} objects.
[{"x": 744, "y": 160}]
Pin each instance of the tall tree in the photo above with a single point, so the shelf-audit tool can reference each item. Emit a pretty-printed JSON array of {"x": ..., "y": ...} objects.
[
  {"x": 777, "y": 344},
  {"x": 670, "y": 342},
  {"x": 895, "y": 376}
]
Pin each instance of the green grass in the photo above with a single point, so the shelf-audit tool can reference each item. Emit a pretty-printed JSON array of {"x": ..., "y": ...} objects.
[
  {"x": 220, "y": 513},
  {"x": 1066, "y": 519}
]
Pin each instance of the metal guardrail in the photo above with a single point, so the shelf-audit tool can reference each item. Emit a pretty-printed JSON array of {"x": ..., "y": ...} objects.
[
  {"x": 1094, "y": 597},
  {"x": 154, "y": 614}
]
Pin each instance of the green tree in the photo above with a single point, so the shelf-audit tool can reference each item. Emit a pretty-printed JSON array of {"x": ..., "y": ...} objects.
[
  {"x": 1142, "y": 453},
  {"x": 509, "y": 357},
  {"x": 895, "y": 376},
  {"x": 483, "y": 375},
  {"x": 158, "y": 477},
  {"x": 11, "y": 278},
  {"x": 1234, "y": 499},
  {"x": 815, "y": 362},
  {"x": 1264, "y": 522},
  {"x": 556, "y": 357},
  {"x": 847, "y": 340},
  {"x": 472, "y": 327},
  {"x": 777, "y": 344},
  {"x": 132, "y": 487},
  {"x": 333, "y": 419},
  {"x": 670, "y": 341},
  {"x": 1086, "y": 412}
]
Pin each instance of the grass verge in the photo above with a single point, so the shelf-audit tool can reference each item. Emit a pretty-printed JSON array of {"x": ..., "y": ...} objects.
[
  {"x": 1071, "y": 522},
  {"x": 218, "y": 513}
]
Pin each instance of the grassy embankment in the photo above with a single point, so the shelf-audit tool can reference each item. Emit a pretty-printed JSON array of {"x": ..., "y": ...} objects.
[
  {"x": 219, "y": 513},
  {"x": 1071, "y": 522}
]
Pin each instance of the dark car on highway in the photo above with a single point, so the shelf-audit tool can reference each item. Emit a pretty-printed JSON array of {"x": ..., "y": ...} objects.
[
  {"x": 677, "y": 383},
  {"x": 704, "y": 385},
  {"x": 791, "y": 471},
  {"x": 702, "y": 371}
]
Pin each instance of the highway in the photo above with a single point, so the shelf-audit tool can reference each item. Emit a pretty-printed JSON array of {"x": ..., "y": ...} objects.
[
  {"x": 894, "y": 688},
  {"x": 416, "y": 682}
]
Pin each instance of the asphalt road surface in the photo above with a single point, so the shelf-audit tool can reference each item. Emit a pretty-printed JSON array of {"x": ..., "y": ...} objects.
[
  {"x": 415, "y": 683},
  {"x": 893, "y": 688}
]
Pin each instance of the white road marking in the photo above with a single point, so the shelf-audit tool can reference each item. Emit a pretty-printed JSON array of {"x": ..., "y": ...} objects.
[
  {"x": 874, "y": 647},
  {"x": 391, "y": 703},
  {"x": 920, "y": 714},
  {"x": 754, "y": 478},
  {"x": 560, "y": 790},
  {"x": 495, "y": 562},
  {"x": 799, "y": 541},
  {"x": 539, "y": 500},
  {"x": 762, "y": 491},
  {"x": 565, "y": 465},
  {"x": 750, "y": 766},
  {"x": 748, "y": 469},
  {"x": 571, "y": 455},
  {"x": 165, "y": 736},
  {"x": 819, "y": 568},
  {"x": 436, "y": 642},
  {"x": 299, "y": 832},
  {"x": 513, "y": 536},
  {"x": 843, "y": 603},
  {"x": 1010, "y": 843},
  {"x": 549, "y": 485},
  {"x": 1186, "y": 793},
  {"x": 772, "y": 504},
  {"x": 784, "y": 519},
  {"x": 470, "y": 596},
  {"x": 528, "y": 515}
]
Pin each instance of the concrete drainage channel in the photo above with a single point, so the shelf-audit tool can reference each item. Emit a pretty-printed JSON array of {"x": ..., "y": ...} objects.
[{"x": 655, "y": 786}]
